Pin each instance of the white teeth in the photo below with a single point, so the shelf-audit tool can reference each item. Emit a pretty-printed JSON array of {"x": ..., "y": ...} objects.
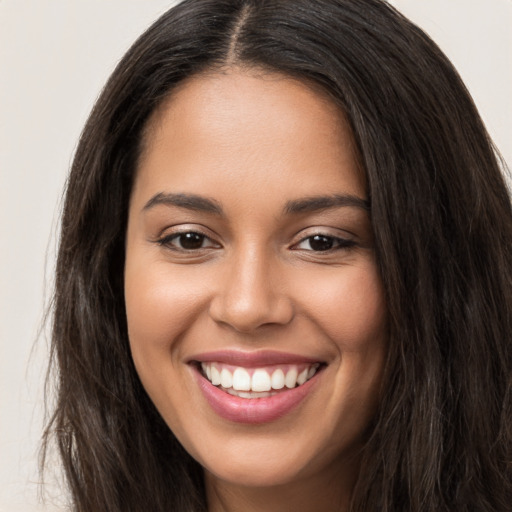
[
  {"x": 215, "y": 377},
  {"x": 302, "y": 377},
  {"x": 226, "y": 378},
  {"x": 277, "y": 380},
  {"x": 207, "y": 369},
  {"x": 261, "y": 381},
  {"x": 249, "y": 394},
  {"x": 241, "y": 380},
  {"x": 242, "y": 384},
  {"x": 291, "y": 378}
]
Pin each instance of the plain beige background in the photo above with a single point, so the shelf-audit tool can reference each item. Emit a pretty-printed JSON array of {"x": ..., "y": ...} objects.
[{"x": 54, "y": 58}]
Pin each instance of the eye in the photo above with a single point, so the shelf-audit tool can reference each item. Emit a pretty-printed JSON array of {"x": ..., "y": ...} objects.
[
  {"x": 187, "y": 241},
  {"x": 323, "y": 243}
]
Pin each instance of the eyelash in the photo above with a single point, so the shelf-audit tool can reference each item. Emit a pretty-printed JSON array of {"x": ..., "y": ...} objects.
[
  {"x": 167, "y": 241},
  {"x": 336, "y": 243}
]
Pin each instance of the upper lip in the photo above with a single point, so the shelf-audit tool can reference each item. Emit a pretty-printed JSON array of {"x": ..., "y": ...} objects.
[{"x": 252, "y": 359}]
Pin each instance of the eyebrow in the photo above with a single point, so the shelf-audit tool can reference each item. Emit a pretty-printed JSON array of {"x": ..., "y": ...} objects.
[
  {"x": 317, "y": 203},
  {"x": 188, "y": 201},
  {"x": 304, "y": 205}
]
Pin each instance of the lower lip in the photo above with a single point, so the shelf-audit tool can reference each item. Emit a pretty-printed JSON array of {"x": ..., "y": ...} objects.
[{"x": 253, "y": 410}]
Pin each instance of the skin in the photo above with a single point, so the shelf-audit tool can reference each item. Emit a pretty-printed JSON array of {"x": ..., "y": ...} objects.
[{"x": 252, "y": 142}]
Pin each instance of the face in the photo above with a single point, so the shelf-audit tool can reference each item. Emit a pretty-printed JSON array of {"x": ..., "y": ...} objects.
[{"x": 256, "y": 316}]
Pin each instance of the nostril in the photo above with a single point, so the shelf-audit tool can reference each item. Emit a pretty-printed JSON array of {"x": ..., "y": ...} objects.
[{"x": 245, "y": 315}]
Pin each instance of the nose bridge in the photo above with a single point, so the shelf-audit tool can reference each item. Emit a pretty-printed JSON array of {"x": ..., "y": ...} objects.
[{"x": 251, "y": 292}]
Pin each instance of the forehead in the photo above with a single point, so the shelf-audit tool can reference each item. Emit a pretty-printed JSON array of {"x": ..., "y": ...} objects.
[
  {"x": 238, "y": 91},
  {"x": 248, "y": 125}
]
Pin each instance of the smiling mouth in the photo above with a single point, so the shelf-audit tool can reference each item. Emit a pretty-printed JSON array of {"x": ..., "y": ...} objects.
[
  {"x": 262, "y": 382},
  {"x": 255, "y": 388}
]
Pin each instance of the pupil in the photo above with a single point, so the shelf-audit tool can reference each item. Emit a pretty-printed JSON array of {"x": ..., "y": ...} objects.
[
  {"x": 321, "y": 243},
  {"x": 191, "y": 241}
]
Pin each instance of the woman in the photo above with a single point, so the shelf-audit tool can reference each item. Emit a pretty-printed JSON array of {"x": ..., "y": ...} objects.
[{"x": 284, "y": 279}]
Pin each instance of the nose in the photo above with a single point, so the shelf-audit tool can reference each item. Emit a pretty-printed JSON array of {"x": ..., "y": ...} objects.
[{"x": 250, "y": 294}]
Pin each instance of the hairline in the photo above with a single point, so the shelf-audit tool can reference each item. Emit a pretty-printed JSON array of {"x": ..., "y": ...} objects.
[{"x": 257, "y": 70}]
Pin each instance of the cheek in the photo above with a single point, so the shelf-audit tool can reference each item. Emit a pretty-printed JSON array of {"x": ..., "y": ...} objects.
[
  {"x": 158, "y": 305},
  {"x": 352, "y": 313},
  {"x": 348, "y": 305},
  {"x": 161, "y": 307},
  {"x": 349, "y": 308}
]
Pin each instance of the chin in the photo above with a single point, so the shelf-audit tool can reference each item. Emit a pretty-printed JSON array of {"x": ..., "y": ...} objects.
[{"x": 258, "y": 473}]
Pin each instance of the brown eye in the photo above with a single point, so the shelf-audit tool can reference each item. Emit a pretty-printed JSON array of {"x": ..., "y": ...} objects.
[
  {"x": 190, "y": 241},
  {"x": 187, "y": 241},
  {"x": 323, "y": 243}
]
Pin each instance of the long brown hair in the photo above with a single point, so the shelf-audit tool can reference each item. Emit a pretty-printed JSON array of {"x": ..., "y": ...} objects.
[{"x": 442, "y": 217}]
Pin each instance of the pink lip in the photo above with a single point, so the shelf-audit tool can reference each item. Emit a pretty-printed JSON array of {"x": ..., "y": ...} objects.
[
  {"x": 253, "y": 410},
  {"x": 251, "y": 359}
]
